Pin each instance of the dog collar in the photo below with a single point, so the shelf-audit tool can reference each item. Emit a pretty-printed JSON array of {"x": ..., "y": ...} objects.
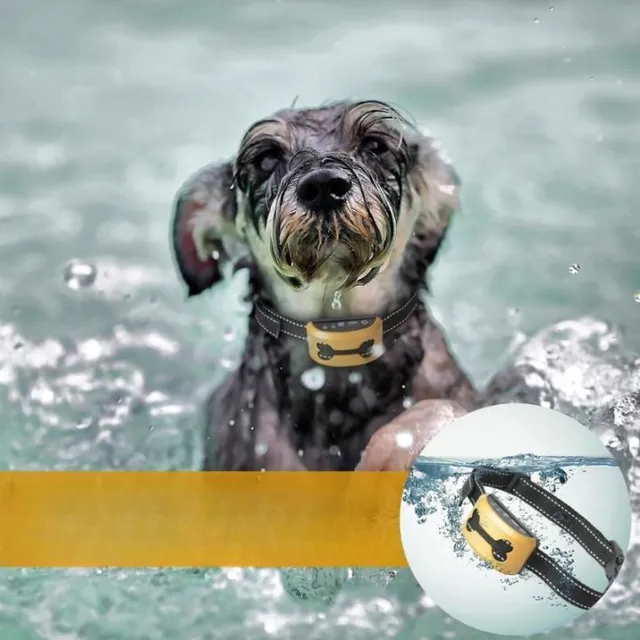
[
  {"x": 503, "y": 542},
  {"x": 339, "y": 342}
]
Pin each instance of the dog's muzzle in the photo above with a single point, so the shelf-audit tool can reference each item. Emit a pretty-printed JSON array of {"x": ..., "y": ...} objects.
[
  {"x": 330, "y": 219},
  {"x": 339, "y": 342},
  {"x": 504, "y": 543}
]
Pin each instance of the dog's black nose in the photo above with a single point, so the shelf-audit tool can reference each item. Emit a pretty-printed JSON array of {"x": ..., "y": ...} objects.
[{"x": 324, "y": 189}]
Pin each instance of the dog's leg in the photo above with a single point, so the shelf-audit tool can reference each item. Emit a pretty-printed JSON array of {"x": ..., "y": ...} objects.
[
  {"x": 396, "y": 445},
  {"x": 442, "y": 392},
  {"x": 245, "y": 431}
]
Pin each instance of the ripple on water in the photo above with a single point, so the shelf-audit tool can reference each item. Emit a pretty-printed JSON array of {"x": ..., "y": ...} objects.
[{"x": 89, "y": 404}]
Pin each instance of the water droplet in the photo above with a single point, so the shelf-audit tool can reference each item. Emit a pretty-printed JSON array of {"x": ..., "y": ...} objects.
[
  {"x": 378, "y": 350},
  {"x": 408, "y": 402},
  {"x": 404, "y": 439},
  {"x": 574, "y": 269},
  {"x": 636, "y": 297},
  {"x": 300, "y": 453},
  {"x": 514, "y": 312},
  {"x": 536, "y": 20},
  {"x": 215, "y": 255},
  {"x": 550, "y": 8},
  {"x": 355, "y": 377},
  {"x": 229, "y": 363},
  {"x": 623, "y": 408},
  {"x": 228, "y": 334},
  {"x": 336, "y": 303},
  {"x": 261, "y": 448},
  {"x": 336, "y": 418},
  {"x": 335, "y": 450},
  {"x": 313, "y": 379},
  {"x": 79, "y": 275}
]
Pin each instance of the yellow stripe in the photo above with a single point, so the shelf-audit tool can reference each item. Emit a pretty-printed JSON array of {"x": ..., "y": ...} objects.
[{"x": 178, "y": 519}]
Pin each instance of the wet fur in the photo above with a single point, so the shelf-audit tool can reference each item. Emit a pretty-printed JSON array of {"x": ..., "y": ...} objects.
[{"x": 263, "y": 416}]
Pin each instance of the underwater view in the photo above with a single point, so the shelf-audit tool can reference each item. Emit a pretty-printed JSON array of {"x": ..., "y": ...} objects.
[{"x": 107, "y": 107}]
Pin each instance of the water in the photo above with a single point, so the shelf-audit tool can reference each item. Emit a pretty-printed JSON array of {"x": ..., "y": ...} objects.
[
  {"x": 107, "y": 107},
  {"x": 437, "y": 481}
]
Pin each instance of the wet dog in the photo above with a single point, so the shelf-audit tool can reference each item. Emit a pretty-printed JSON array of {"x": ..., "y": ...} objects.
[{"x": 337, "y": 212}]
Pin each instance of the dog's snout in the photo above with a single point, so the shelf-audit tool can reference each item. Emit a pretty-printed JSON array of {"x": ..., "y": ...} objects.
[{"x": 324, "y": 189}]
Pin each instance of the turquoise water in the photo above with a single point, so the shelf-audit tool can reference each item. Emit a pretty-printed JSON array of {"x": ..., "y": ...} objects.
[{"x": 106, "y": 107}]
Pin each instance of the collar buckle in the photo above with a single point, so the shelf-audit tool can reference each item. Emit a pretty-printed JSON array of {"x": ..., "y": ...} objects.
[{"x": 613, "y": 566}]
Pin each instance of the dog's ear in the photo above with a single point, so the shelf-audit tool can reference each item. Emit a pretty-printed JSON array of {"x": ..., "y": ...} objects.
[
  {"x": 204, "y": 224},
  {"x": 435, "y": 190}
]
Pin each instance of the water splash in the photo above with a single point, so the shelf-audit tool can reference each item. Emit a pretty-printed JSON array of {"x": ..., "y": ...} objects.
[
  {"x": 431, "y": 478},
  {"x": 336, "y": 303}
]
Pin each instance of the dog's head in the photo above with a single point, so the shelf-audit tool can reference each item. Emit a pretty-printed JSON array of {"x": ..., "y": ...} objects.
[{"x": 330, "y": 194}]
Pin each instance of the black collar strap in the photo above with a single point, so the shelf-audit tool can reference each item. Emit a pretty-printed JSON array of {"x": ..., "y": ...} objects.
[
  {"x": 339, "y": 342},
  {"x": 606, "y": 552}
]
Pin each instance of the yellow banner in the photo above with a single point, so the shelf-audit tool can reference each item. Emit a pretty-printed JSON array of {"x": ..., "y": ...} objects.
[{"x": 196, "y": 519}]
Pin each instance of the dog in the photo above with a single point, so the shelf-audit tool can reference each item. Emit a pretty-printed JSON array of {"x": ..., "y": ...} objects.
[{"x": 337, "y": 212}]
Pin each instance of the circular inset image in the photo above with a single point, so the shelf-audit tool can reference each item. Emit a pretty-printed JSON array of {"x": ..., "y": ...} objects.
[{"x": 515, "y": 519}]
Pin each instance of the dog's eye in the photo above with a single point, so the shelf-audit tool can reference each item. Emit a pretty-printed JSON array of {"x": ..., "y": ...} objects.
[
  {"x": 375, "y": 145},
  {"x": 268, "y": 161}
]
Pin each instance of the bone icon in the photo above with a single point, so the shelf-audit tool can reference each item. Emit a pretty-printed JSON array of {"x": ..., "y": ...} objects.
[
  {"x": 499, "y": 548},
  {"x": 326, "y": 351}
]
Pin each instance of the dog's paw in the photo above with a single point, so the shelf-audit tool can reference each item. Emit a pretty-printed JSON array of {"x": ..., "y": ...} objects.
[{"x": 397, "y": 445}]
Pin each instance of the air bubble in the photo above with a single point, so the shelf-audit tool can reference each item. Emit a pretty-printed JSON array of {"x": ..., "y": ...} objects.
[
  {"x": 408, "y": 402},
  {"x": 636, "y": 297},
  {"x": 574, "y": 269},
  {"x": 228, "y": 334},
  {"x": 79, "y": 275}
]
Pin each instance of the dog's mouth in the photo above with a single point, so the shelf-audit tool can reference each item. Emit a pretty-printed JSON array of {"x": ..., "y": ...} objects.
[
  {"x": 343, "y": 260},
  {"x": 299, "y": 283}
]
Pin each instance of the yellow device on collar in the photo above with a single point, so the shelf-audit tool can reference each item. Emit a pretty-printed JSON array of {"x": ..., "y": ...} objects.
[
  {"x": 338, "y": 342},
  {"x": 496, "y": 536},
  {"x": 345, "y": 343}
]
